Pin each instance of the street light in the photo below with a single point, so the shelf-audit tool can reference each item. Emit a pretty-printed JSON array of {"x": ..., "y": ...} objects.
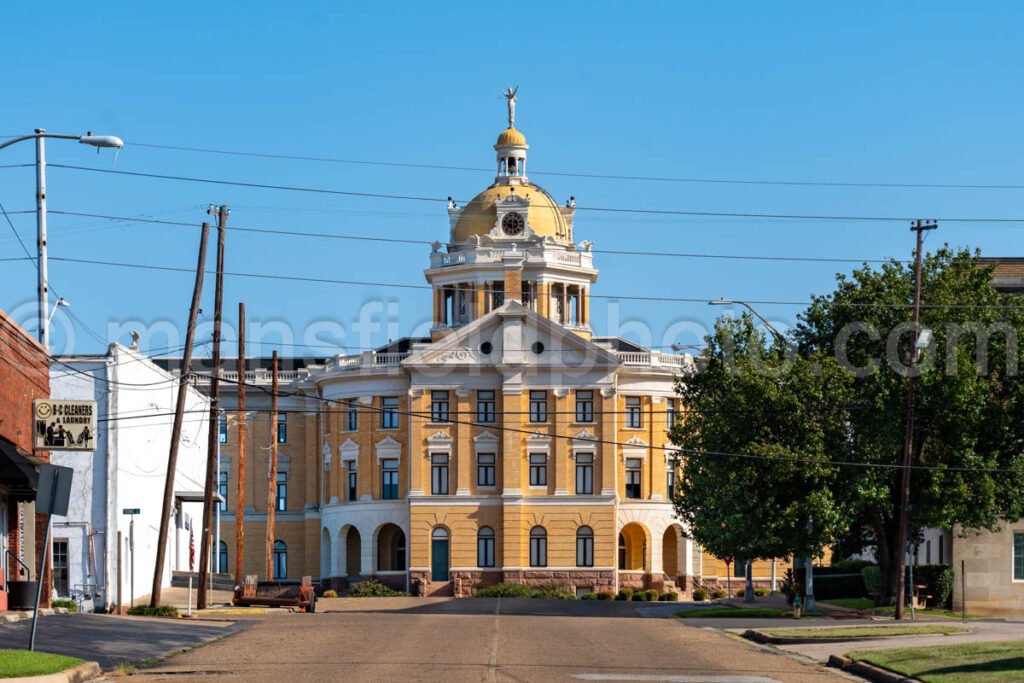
[
  {"x": 731, "y": 302},
  {"x": 683, "y": 347},
  {"x": 61, "y": 301},
  {"x": 97, "y": 141}
]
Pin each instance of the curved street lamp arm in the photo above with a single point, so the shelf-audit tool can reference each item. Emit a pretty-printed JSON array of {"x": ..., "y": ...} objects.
[{"x": 8, "y": 143}]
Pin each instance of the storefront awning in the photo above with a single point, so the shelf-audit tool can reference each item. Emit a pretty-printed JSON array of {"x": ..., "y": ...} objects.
[{"x": 19, "y": 472}]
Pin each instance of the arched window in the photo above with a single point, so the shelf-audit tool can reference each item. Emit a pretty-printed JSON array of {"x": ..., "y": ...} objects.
[
  {"x": 222, "y": 558},
  {"x": 538, "y": 547},
  {"x": 485, "y": 547},
  {"x": 280, "y": 560},
  {"x": 439, "y": 532},
  {"x": 584, "y": 547},
  {"x": 622, "y": 551}
]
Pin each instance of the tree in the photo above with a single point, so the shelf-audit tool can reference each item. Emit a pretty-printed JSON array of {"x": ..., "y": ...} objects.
[
  {"x": 786, "y": 415},
  {"x": 840, "y": 405}
]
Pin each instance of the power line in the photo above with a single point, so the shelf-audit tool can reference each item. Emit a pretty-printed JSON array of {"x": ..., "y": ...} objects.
[
  {"x": 366, "y": 283},
  {"x": 599, "y": 176},
  {"x": 392, "y": 240},
  {"x": 666, "y": 212}
]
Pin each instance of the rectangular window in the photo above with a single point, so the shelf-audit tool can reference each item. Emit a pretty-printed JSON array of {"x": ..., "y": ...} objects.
[
  {"x": 739, "y": 568},
  {"x": 529, "y": 295},
  {"x": 389, "y": 412},
  {"x": 60, "y": 567},
  {"x": 439, "y": 474},
  {"x": 485, "y": 407},
  {"x": 1018, "y": 557},
  {"x": 497, "y": 294},
  {"x": 584, "y": 551},
  {"x": 439, "y": 406},
  {"x": 282, "y": 427},
  {"x": 584, "y": 474},
  {"x": 670, "y": 482},
  {"x": 282, "y": 491},
  {"x": 222, "y": 428},
  {"x": 352, "y": 417},
  {"x": 352, "y": 481},
  {"x": 538, "y": 406},
  {"x": 389, "y": 479},
  {"x": 634, "y": 419},
  {"x": 633, "y": 477},
  {"x": 222, "y": 489},
  {"x": 538, "y": 551},
  {"x": 485, "y": 551},
  {"x": 584, "y": 406},
  {"x": 538, "y": 469},
  {"x": 670, "y": 414},
  {"x": 485, "y": 469}
]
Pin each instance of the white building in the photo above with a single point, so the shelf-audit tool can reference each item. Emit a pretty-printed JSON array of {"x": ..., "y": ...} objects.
[{"x": 135, "y": 405}]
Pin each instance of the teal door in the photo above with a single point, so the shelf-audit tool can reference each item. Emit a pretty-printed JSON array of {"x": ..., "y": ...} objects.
[{"x": 439, "y": 559}]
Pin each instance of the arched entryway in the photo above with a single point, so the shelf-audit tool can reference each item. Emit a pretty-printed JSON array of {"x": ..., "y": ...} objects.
[
  {"x": 325, "y": 554},
  {"x": 390, "y": 548},
  {"x": 439, "y": 553},
  {"x": 633, "y": 548},
  {"x": 670, "y": 543},
  {"x": 353, "y": 552}
]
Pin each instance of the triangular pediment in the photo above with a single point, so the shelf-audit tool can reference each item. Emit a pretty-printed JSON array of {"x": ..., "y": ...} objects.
[
  {"x": 485, "y": 437},
  {"x": 348, "y": 446},
  {"x": 514, "y": 335},
  {"x": 585, "y": 435},
  {"x": 388, "y": 442}
]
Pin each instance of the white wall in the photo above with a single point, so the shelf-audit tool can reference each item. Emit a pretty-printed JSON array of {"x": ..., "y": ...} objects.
[{"x": 128, "y": 469}]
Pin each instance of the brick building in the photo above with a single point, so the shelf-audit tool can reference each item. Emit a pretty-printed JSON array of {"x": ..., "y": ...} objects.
[{"x": 24, "y": 376}]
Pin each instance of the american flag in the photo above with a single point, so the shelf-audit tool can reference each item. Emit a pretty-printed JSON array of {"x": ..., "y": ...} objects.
[{"x": 191, "y": 551}]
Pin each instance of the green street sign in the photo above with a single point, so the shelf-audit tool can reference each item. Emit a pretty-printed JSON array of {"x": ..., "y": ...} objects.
[{"x": 131, "y": 511}]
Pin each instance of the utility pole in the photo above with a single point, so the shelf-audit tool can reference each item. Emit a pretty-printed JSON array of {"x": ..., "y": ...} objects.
[
  {"x": 919, "y": 226},
  {"x": 272, "y": 470},
  {"x": 242, "y": 424},
  {"x": 179, "y": 414},
  {"x": 213, "y": 440},
  {"x": 43, "y": 289}
]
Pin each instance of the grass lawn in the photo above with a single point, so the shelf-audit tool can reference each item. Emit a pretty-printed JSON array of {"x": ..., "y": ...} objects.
[
  {"x": 851, "y": 603},
  {"x": 14, "y": 663},
  {"x": 965, "y": 663},
  {"x": 741, "y": 612},
  {"x": 890, "y": 609},
  {"x": 864, "y": 631}
]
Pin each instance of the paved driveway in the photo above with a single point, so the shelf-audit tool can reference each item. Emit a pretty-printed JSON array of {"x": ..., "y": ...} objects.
[
  {"x": 474, "y": 640},
  {"x": 112, "y": 640}
]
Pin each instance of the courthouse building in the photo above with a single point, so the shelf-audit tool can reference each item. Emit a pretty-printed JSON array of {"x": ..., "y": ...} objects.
[{"x": 510, "y": 445}]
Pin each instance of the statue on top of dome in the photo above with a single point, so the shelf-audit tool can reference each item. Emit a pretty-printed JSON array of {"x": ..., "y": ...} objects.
[{"x": 510, "y": 95}]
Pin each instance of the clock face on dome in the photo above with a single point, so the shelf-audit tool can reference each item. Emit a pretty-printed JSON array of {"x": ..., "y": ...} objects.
[{"x": 513, "y": 223}]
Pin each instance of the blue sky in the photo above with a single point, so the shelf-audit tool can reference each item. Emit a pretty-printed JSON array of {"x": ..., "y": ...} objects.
[{"x": 912, "y": 92}]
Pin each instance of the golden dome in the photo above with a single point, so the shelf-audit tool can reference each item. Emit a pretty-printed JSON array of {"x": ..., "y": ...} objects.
[
  {"x": 479, "y": 215},
  {"x": 511, "y": 136}
]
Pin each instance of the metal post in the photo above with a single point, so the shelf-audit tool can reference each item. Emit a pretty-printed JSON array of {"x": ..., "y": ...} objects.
[
  {"x": 43, "y": 287},
  {"x": 910, "y": 566},
  {"x": 41, "y": 574},
  {"x": 242, "y": 426},
  {"x": 748, "y": 591},
  {"x": 119, "y": 579},
  {"x": 963, "y": 589},
  {"x": 217, "y": 569},
  {"x": 131, "y": 548},
  {"x": 272, "y": 469},
  {"x": 809, "y": 605}
]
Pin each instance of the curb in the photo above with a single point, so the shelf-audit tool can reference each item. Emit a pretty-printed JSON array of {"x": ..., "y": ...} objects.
[
  {"x": 868, "y": 671},
  {"x": 762, "y": 637},
  {"x": 21, "y": 615},
  {"x": 83, "y": 672}
]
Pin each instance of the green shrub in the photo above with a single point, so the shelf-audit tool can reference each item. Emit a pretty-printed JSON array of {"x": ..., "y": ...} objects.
[
  {"x": 329, "y": 593},
  {"x": 589, "y": 596},
  {"x": 741, "y": 592},
  {"x": 671, "y": 596},
  {"x": 652, "y": 595},
  {"x": 718, "y": 594},
  {"x": 373, "y": 589},
  {"x": 938, "y": 580},
  {"x": 606, "y": 595},
  {"x": 851, "y": 566},
  {"x": 69, "y": 605},
  {"x": 624, "y": 594},
  {"x": 762, "y": 592},
  {"x": 505, "y": 590},
  {"x": 872, "y": 579},
  {"x": 639, "y": 596},
  {"x": 699, "y": 595},
  {"x": 158, "y": 611},
  {"x": 549, "y": 591}
]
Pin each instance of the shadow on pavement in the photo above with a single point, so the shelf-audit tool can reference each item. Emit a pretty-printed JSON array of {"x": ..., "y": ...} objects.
[
  {"x": 112, "y": 640},
  {"x": 486, "y": 606}
]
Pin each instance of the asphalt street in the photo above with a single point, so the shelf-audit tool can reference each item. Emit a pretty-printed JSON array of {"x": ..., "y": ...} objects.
[
  {"x": 112, "y": 640},
  {"x": 478, "y": 640}
]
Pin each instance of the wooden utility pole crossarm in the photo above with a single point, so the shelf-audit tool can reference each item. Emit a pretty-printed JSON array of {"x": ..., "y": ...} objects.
[
  {"x": 179, "y": 414},
  {"x": 213, "y": 439}
]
